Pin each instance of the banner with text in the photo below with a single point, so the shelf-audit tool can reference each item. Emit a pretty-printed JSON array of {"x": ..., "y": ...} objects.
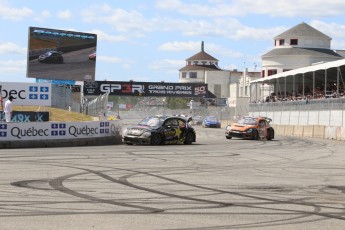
[
  {"x": 58, "y": 130},
  {"x": 150, "y": 89},
  {"x": 26, "y": 116},
  {"x": 27, "y": 93}
]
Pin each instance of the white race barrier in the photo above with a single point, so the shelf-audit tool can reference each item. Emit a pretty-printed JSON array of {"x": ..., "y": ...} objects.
[
  {"x": 331, "y": 132},
  {"x": 46, "y": 134}
]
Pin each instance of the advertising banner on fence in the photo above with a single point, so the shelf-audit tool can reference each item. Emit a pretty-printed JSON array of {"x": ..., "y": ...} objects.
[
  {"x": 27, "y": 93},
  {"x": 58, "y": 130},
  {"x": 151, "y": 89},
  {"x": 26, "y": 116}
]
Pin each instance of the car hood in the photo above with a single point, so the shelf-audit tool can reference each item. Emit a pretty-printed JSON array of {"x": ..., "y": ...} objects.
[
  {"x": 137, "y": 130},
  {"x": 240, "y": 127},
  {"x": 212, "y": 122}
]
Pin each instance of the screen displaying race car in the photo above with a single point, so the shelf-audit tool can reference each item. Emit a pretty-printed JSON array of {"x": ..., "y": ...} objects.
[
  {"x": 254, "y": 128},
  {"x": 51, "y": 57},
  {"x": 71, "y": 50},
  {"x": 157, "y": 130}
]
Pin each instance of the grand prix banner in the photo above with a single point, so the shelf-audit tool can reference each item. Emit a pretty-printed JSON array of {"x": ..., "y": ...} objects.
[
  {"x": 27, "y": 93},
  {"x": 58, "y": 130},
  {"x": 151, "y": 89}
]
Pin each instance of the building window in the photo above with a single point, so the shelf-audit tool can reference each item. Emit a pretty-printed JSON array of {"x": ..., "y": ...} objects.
[
  {"x": 195, "y": 62},
  {"x": 294, "y": 42},
  {"x": 189, "y": 63},
  {"x": 281, "y": 42},
  {"x": 192, "y": 75},
  {"x": 263, "y": 73},
  {"x": 271, "y": 72},
  {"x": 184, "y": 74}
]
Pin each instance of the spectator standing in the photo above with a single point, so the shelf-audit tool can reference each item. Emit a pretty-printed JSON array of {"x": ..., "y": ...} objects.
[
  {"x": 8, "y": 109},
  {"x": 1, "y": 102}
]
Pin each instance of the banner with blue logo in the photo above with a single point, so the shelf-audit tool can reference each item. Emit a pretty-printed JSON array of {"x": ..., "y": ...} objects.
[
  {"x": 28, "y": 94},
  {"x": 58, "y": 130}
]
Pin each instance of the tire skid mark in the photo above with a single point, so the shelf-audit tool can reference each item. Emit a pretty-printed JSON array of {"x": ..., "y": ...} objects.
[{"x": 57, "y": 184}]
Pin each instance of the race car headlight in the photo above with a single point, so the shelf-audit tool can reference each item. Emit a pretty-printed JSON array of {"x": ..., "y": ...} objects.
[
  {"x": 249, "y": 131},
  {"x": 146, "y": 134},
  {"x": 228, "y": 128}
]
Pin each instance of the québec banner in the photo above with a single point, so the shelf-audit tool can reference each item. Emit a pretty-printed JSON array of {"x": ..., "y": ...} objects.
[
  {"x": 151, "y": 89},
  {"x": 27, "y": 93},
  {"x": 58, "y": 130}
]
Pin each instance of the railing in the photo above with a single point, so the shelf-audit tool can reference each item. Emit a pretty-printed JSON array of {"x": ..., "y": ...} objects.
[{"x": 305, "y": 105}]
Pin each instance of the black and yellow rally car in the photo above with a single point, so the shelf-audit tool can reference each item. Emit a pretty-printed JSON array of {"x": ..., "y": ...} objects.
[{"x": 156, "y": 130}]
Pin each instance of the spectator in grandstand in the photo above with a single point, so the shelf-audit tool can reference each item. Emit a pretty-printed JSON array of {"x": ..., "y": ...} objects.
[{"x": 8, "y": 109}]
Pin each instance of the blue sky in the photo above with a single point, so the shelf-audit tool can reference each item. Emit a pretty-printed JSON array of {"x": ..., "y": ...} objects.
[{"x": 150, "y": 40}]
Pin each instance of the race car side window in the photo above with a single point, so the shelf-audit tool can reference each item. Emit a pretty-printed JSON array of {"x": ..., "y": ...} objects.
[{"x": 171, "y": 122}]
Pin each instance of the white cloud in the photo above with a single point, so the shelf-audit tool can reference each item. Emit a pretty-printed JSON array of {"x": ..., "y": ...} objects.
[
  {"x": 180, "y": 46},
  {"x": 167, "y": 66},
  {"x": 11, "y": 48},
  {"x": 42, "y": 16},
  {"x": 333, "y": 30},
  {"x": 210, "y": 48},
  {"x": 126, "y": 64},
  {"x": 102, "y": 36},
  {"x": 119, "y": 19},
  {"x": 281, "y": 8},
  {"x": 65, "y": 14},
  {"x": 13, "y": 67},
  {"x": 11, "y": 13}
]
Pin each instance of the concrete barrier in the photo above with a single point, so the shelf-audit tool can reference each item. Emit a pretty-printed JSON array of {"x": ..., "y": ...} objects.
[
  {"x": 298, "y": 130},
  {"x": 308, "y": 130},
  {"x": 319, "y": 131},
  {"x": 59, "y": 134},
  {"x": 331, "y": 132},
  {"x": 289, "y": 130},
  {"x": 110, "y": 140}
]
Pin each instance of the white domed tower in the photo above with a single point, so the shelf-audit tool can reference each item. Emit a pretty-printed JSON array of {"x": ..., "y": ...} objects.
[
  {"x": 196, "y": 67},
  {"x": 298, "y": 47}
]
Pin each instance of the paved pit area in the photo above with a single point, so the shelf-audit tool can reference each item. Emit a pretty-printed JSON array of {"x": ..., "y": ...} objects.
[{"x": 287, "y": 183}]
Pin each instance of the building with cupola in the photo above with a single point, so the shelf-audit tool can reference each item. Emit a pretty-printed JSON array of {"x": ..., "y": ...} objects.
[
  {"x": 298, "y": 47},
  {"x": 225, "y": 84}
]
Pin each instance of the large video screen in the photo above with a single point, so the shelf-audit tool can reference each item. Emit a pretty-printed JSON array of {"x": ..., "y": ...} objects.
[{"x": 61, "y": 54}]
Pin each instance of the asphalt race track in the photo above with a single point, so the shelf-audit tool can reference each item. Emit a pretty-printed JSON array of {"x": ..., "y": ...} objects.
[{"x": 287, "y": 183}]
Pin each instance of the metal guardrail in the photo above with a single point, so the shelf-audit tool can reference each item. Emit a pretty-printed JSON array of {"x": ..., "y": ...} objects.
[{"x": 310, "y": 105}]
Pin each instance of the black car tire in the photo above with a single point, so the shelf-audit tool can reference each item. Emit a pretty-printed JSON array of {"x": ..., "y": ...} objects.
[
  {"x": 270, "y": 134},
  {"x": 129, "y": 143},
  {"x": 255, "y": 135},
  {"x": 156, "y": 139},
  {"x": 190, "y": 137},
  {"x": 227, "y": 137}
]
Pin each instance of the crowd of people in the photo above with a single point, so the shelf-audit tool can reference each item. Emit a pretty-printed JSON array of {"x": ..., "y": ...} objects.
[{"x": 300, "y": 96}]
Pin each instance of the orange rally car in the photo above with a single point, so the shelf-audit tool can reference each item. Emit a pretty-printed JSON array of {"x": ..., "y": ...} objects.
[{"x": 254, "y": 128}]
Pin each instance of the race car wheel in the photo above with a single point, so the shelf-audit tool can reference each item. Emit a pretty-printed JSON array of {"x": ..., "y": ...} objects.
[
  {"x": 156, "y": 139},
  {"x": 270, "y": 134},
  {"x": 189, "y": 138},
  {"x": 255, "y": 135},
  {"x": 227, "y": 137}
]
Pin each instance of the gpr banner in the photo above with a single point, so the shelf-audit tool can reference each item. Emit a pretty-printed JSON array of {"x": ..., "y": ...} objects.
[
  {"x": 145, "y": 89},
  {"x": 27, "y": 93},
  {"x": 58, "y": 130}
]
